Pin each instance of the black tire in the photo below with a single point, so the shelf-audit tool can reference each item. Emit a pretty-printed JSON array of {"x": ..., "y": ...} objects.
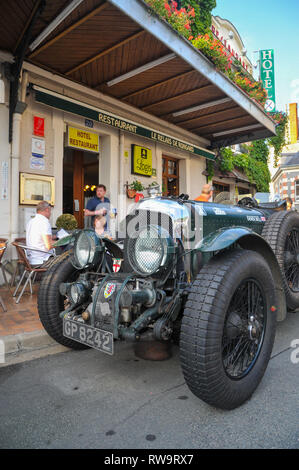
[
  {"x": 205, "y": 320},
  {"x": 277, "y": 232},
  {"x": 51, "y": 302}
]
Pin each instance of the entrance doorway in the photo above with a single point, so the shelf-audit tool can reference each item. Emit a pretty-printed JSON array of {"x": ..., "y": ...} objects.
[
  {"x": 170, "y": 176},
  {"x": 80, "y": 176}
]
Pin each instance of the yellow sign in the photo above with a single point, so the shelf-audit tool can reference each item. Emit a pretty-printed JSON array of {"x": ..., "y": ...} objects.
[
  {"x": 141, "y": 161},
  {"x": 293, "y": 123},
  {"x": 83, "y": 140}
]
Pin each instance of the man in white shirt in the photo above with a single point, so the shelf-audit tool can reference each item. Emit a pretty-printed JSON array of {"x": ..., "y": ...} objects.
[{"x": 39, "y": 235}]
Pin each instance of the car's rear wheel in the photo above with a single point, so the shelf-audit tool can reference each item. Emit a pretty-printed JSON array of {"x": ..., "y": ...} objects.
[
  {"x": 228, "y": 328},
  {"x": 51, "y": 302},
  {"x": 281, "y": 231}
]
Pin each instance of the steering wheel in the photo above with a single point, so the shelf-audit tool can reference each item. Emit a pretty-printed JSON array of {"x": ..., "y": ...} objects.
[{"x": 248, "y": 202}]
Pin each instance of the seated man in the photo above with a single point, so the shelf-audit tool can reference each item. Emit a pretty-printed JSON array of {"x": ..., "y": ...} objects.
[{"x": 39, "y": 235}]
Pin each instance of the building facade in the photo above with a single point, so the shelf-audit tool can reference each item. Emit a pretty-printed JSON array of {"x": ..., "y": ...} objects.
[
  {"x": 79, "y": 108},
  {"x": 60, "y": 105}
]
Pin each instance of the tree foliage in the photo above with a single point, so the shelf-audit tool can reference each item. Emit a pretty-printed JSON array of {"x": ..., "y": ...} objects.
[
  {"x": 256, "y": 169},
  {"x": 259, "y": 150}
]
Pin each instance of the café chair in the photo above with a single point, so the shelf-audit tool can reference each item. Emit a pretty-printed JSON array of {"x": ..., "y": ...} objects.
[
  {"x": 3, "y": 246},
  {"x": 19, "y": 261},
  {"x": 29, "y": 270}
]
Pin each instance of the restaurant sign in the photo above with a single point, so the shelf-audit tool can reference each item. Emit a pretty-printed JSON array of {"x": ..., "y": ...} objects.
[
  {"x": 267, "y": 77},
  {"x": 83, "y": 140},
  {"x": 65, "y": 103},
  {"x": 141, "y": 161}
]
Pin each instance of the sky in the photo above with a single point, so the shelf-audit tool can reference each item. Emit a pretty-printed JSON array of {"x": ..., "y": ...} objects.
[{"x": 272, "y": 24}]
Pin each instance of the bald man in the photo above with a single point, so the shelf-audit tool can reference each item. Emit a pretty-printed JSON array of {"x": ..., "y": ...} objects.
[{"x": 206, "y": 193}]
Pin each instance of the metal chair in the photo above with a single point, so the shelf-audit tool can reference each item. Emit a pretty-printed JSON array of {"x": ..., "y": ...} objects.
[
  {"x": 3, "y": 246},
  {"x": 29, "y": 269},
  {"x": 20, "y": 261}
]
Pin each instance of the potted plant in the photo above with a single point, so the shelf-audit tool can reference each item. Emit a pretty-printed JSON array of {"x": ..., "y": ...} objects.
[
  {"x": 67, "y": 222},
  {"x": 133, "y": 187}
]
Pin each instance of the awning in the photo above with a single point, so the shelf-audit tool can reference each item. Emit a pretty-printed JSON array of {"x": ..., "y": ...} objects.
[
  {"x": 235, "y": 174},
  {"x": 124, "y": 50}
]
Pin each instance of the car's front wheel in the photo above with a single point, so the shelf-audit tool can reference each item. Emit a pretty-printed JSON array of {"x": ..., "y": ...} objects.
[
  {"x": 228, "y": 328},
  {"x": 51, "y": 302}
]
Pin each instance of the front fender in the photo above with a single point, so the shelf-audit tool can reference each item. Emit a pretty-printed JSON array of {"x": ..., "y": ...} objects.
[
  {"x": 222, "y": 238},
  {"x": 248, "y": 240}
]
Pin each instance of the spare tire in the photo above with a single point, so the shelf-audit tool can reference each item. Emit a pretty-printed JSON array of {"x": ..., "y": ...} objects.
[{"x": 281, "y": 231}]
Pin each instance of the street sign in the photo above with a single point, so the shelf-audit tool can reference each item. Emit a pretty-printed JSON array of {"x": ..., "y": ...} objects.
[{"x": 267, "y": 77}]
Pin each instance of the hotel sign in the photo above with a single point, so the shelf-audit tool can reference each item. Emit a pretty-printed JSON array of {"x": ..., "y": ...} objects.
[
  {"x": 267, "y": 77},
  {"x": 70, "y": 105},
  {"x": 83, "y": 140}
]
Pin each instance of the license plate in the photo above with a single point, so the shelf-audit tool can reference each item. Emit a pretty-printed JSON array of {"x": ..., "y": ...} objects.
[{"x": 85, "y": 334}]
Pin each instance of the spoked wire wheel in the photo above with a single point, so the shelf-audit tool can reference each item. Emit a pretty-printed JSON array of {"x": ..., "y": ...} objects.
[
  {"x": 228, "y": 328},
  {"x": 244, "y": 328},
  {"x": 281, "y": 231},
  {"x": 291, "y": 260}
]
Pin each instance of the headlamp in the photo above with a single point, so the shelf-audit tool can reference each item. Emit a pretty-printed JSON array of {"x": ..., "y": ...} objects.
[
  {"x": 76, "y": 293},
  {"x": 150, "y": 250},
  {"x": 88, "y": 249}
]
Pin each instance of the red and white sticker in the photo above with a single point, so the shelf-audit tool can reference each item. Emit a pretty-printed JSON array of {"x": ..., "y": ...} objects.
[{"x": 116, "y": 264}]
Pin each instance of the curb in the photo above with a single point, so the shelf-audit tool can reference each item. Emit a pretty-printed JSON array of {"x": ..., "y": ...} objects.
[{"x": 24, "y": 342}]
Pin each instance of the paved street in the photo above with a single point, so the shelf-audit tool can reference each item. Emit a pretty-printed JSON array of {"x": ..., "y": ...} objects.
[{"x": 90, "y": 400}]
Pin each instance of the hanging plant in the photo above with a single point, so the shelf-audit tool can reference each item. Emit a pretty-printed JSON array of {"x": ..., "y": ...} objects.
[
  {"x": 180, "y": 19},
  {"x": 196, "y": 17},
  {"x": 280, "y": 140}
]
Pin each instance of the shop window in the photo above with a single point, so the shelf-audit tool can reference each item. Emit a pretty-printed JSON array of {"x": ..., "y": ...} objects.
[
  {"x": 219, "y": 188},
  {"x": 170, "y": 176},
  {"x": 243, "y": 190},
  {"x": 297, "y": 191}
]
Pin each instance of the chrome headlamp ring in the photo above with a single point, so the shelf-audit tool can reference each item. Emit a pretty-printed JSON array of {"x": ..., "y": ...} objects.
[
  {"x": 88, "y": 249},
  {"x": 149, "y": 250}
]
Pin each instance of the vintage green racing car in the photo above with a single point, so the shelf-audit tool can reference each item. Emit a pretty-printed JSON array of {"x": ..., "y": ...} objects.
[{"x": 218, "y": 277}]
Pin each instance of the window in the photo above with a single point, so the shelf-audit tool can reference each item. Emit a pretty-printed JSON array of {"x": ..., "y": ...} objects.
[
  {"x": 170, "y": 176},
  {"x": 297, "y": 191},
  {"x": 243, "y": 190},
  {"x": 219, "y": 188}
]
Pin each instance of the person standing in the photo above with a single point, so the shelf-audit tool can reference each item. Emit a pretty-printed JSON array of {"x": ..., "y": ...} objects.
[
  {"x": 98, "y": 205},
  {"x": 39, "y": 235},
  {"x": 206, "y": 193}
]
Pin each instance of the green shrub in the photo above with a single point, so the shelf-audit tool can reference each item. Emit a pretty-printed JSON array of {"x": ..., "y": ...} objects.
[{"x": 67, "y": 222}]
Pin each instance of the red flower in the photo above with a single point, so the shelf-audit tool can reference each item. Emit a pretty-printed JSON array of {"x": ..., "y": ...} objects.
[
  {"x": 187, "y": 26},
  {"x": 166, "y": 6}
]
